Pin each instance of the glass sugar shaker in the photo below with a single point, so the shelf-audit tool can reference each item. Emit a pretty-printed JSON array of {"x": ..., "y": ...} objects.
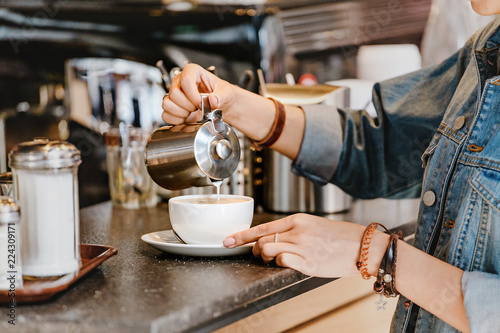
[
  {"x": 10, "y": 261},
  {"x": 46, "y": 188}
]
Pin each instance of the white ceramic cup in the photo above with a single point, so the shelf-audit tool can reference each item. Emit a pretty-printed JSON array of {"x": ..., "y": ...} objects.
[{"x": 201, "y": 219}]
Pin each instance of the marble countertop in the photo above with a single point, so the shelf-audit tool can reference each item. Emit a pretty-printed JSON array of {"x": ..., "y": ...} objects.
[{"x": 145, "y": 290}]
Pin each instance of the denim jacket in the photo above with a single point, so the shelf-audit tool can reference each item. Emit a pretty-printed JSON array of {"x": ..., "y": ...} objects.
[{"x": 436, "y": 136}]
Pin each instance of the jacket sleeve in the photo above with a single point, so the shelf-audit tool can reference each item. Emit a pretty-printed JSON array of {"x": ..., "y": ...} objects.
[
  {"x": 381, "y": 157},
  {"x": 480, "y": 289}
]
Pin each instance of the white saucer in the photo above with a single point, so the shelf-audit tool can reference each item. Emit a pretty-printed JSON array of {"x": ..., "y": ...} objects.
[{"x": 166, "y": 241}]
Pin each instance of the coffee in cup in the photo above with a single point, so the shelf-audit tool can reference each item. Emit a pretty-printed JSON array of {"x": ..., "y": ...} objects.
[{"x": 208, "y": 219}]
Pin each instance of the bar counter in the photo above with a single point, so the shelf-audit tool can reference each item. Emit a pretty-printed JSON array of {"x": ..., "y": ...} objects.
[{"x": 143, "y": 289}]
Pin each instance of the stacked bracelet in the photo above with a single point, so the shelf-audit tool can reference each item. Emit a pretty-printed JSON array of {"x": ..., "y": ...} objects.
[
  {"x": 386, "y": 277},
  {"x": 276, "y": 129}
]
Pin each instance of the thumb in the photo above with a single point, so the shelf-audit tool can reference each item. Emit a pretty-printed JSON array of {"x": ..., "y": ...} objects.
[{"x": 214, "y": 100}]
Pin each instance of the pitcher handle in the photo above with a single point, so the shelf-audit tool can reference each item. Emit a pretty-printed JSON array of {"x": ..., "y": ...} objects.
[
  {"x": 214, "y": 116},
  {"x": 205, "y": 108}
]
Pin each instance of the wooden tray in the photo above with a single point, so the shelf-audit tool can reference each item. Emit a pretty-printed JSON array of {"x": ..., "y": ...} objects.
[{"x": 41, "y": 290}]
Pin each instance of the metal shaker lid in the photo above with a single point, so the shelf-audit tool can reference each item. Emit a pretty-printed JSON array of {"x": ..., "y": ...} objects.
[
  {"x": 216, "y": 148},
  {"x": 9, "y": 210},
  {"x": 44, "y": 154},
  {"x": 6, "y": 184},
  {"x": 6, "y": 178}
]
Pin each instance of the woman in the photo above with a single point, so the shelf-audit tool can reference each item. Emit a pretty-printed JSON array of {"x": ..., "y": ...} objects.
[{"x": 449, "y": 116}]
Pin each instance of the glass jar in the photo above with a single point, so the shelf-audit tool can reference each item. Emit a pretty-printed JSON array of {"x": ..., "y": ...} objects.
[
  {"x": 10, "y": 243},
  {"x": 46, "y": 188}
]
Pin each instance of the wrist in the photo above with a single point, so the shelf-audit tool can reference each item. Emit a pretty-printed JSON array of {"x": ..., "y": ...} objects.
[
  {"x": 276, "y": 129},
  {"x": 250, "y": 113}
]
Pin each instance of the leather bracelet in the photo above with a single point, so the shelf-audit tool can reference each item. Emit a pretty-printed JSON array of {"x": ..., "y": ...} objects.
[
  {"x": 378, "y": 285},
  {"x": 394, "y": 239},
  {"x": 386, "y": 277},
  {"x": 276, "y": 129},
  {"x": 390, "y": 291}
]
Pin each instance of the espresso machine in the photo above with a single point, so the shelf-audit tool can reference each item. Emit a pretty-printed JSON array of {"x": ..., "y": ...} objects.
[{"x": 284, "y": 191}]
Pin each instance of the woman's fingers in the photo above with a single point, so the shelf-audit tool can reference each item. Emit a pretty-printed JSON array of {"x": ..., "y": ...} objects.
[
  {"x": 310, "y": 244},
  {"x": 175, "y": 109},
  {"x": 253, "y": 234},
  {"x": 194, "y": 117},
  {"x": 179, "y": 98},
  {"x": 277, "y": 238},
  {"x": 195, "y": 80},
  {"x": 291, "y": 260},
  {"x": 184, "y": 97},
  {"x": 257, "y": 248},
  {"x": 270, "y": 251},
  {"x": 294, "y": 256}
]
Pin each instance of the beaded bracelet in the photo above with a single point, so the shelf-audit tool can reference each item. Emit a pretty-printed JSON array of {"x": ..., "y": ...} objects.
[
  {"x": 364, "y": 247},
  {"x": 276, "y": 129}
]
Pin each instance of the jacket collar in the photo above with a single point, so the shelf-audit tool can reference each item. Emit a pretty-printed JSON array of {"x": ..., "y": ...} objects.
[{"x": 488, "y": 37}]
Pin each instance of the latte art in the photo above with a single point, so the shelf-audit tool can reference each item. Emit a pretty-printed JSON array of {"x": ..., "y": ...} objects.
[{"x": 212, "y": 201}]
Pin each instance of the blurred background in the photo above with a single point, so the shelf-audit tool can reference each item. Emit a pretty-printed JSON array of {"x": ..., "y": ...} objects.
[{"x": 71, "y": 69}]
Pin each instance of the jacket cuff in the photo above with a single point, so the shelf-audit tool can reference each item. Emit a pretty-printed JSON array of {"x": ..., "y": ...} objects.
[
  {"x": 481, "y": 298},
  {"x": 322, "y": 144}
]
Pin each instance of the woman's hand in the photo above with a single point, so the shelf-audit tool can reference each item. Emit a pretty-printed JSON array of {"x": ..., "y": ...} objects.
[
  {"x": 252, "y": 114},
  {"x": 184, "y": 96},
  {"x": 320, "y": 247},
  {"x": 313, "y": 245}
]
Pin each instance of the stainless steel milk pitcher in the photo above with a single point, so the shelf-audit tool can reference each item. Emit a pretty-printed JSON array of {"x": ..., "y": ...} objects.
[{"x": 183, "y": 156}]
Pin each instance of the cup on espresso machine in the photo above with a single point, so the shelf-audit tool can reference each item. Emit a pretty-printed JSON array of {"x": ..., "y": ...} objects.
[{"x": 193, "y": 155}]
